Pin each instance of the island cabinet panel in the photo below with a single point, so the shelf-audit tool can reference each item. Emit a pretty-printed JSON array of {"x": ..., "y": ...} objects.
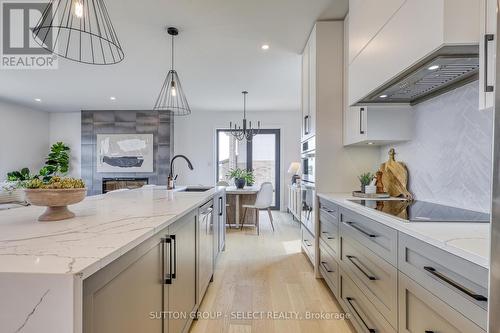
[
  {"x": 421, "y": 311},
  {"x": 120, "y": 297},
  {"x": 152, "y": 288},
  {"x": 181, "y": 293}
]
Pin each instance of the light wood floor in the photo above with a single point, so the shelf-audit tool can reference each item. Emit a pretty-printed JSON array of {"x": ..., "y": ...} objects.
[{"x": 267, "y": 273}]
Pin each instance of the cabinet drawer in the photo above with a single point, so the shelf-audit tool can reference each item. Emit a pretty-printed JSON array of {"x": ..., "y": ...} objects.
[
  {"x": 308, "y": 243},
  {"x": 462, "y": 284},
  {"x": 329, "y": 208},
  {"x": 375, "y": 277},
  {"x": 377, "y": 237},
  {"x": 420, "y": 311},
  {"x": 329, "y": 232},
  {"x": 364, "y": 316},
  {"x": 329, "y": 267}
]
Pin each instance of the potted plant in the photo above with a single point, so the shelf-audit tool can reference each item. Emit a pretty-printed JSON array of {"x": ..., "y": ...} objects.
[
  {"x": 249, "y": 177},
  {"x": 49, "y": 188},
  {"x": 239, "y": 177},
  {"x": 365, "y": 179}
]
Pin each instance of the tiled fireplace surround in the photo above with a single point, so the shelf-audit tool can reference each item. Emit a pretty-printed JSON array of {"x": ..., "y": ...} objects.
[{"x": 157, "y": 123}]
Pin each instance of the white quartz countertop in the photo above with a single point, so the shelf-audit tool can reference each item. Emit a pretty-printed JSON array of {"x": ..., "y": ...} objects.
[
  {"x": 105, "y": 227},
  {"x": 470, "y": 241}
]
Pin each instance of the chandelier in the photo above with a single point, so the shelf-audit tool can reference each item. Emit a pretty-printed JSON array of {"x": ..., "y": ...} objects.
[
  {"x": 244, "y": 132},
  {"x": 79, "y": 30},
  {"x": 172, "y": 97}
]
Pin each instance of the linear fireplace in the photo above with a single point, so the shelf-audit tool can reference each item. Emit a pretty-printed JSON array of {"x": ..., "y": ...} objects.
[{"x": 112, "y": 184}]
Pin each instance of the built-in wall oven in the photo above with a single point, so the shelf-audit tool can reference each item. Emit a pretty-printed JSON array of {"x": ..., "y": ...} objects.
[
  {"x": 308, "y": 183},
  {"x": 308, "y": 160}
]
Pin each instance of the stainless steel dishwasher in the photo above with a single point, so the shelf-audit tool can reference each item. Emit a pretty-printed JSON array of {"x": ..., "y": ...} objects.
[{"x": 205, "y": 248}]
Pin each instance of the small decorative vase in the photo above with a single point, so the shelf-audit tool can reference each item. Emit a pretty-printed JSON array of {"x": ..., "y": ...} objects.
[
  {"x": 239, "y": 182},
  {"x": 363, "y": 188}
]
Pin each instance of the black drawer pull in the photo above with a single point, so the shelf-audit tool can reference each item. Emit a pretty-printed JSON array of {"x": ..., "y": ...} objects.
[
  {"x": 327, "y": 235},
  {"x": 454, "y": 284},
  {"x": 307, "y": 242},
  {"x": 429, "y": 331},
  {"x": 350, "y": 300},
  {"x": 351, "y": 224},
  {"x": 325, "y": 266},
  {"x": 370, "y": 277}
]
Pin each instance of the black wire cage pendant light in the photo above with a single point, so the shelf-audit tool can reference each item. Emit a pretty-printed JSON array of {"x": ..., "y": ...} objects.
[
  {"x": 245, "y": 131},
  {"x": 79, "y": 30},
  {"x": 172, "y": 97}
]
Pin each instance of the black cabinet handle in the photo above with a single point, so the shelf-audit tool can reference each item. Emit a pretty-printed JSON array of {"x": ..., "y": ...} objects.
[
  {"x": 487, "y": 39},
  {"x": 350, "y": 300},
  {"x": 456, "y": 285},
  {"x": 325, "y": 266},
  {"x": 220, "y": 206},
  {"x": 353, "y": 225},
  {"x": 361, "y": 130},
  {"x": 429, "y": 331},
  {"x": 327, "y": 235},
  {"x": 168, "y": 276},
  {"x": 370, "y": 277},
  {"x": 174, "y": 244},
  {"x": 306, "y": 125},
  {"x": 307, "y": 242}
]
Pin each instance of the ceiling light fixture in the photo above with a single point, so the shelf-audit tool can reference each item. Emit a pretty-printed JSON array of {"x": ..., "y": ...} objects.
[
  {"x": 433, "y": 67},
  {"x": 38, "y": 100},
  {"x": 79, "y": 30},
  {"x": 172, "y": 97},
  {"x": 244, "y": 132},
  {"x": 113, "y": 98},
  {"x": 265, "y": 47},
  {"x": 383, "y": 96},
  {"x": 371, "y": 143}
]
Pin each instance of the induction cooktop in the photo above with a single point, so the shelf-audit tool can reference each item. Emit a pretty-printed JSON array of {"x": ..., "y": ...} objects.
[{"x": 422, "y": 211}]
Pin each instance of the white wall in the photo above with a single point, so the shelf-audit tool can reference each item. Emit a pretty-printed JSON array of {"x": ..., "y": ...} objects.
[
  {"x": 66, "y": 127},
  {"x": 194, "y": 136},
  {"x": 449, "y": 159},
  {"x": 24, "y": 138}
]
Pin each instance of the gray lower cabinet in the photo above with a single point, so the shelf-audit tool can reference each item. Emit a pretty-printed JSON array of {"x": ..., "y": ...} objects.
[
  {"x": 364, "y": 316},
  {"x": 421, "y": 311},
  {"x": 377, "y": 279},
  {"x": 391, "y": 282},
  {"x": 181, "y": 293},
  {"x": 133, "y": 293},
  {"x": 307, "y": 243},
  {"x": 205, "y": 231}
]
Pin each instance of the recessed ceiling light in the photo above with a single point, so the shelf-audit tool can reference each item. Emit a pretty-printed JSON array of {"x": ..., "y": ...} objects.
[
  {"x": 383, "y": 96},
  {"x": 38, "y": 100},
  {"x": 265, "y": 47},
  {"x": 113, "y": 98},
  {"x": 371, "y": 143},
  {"x": 433, "y": 67}
]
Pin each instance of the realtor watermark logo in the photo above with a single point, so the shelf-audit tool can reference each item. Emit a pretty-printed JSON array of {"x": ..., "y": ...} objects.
[{"x": 19, "y": 49}]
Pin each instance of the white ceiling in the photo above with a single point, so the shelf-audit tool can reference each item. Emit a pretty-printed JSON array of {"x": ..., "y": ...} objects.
[{"x": 218, "y": 54}]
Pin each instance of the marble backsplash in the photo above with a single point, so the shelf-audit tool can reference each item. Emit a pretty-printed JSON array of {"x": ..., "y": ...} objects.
[{"x": 449, "y": 159}]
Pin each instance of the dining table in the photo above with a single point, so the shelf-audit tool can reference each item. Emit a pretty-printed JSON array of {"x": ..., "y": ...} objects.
[{"x": 236, "y": 197}]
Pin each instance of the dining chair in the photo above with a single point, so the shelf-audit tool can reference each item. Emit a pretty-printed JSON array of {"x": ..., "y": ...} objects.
[{"x": 264, "y": 200}]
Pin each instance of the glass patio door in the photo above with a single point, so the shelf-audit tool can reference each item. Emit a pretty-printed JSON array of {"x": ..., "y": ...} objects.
[{"x": 262, "y": 155}]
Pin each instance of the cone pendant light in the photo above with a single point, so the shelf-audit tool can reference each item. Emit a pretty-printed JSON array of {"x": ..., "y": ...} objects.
[
  {"x": 172, "y": 97},
  {"x": 79, "y": 30}
]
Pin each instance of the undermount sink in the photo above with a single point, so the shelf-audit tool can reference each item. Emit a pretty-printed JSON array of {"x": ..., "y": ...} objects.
[{"x": 195, "y": 189}]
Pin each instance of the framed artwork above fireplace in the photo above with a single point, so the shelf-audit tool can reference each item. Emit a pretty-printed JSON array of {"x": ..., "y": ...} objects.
[{"x": 124, "y": 153}]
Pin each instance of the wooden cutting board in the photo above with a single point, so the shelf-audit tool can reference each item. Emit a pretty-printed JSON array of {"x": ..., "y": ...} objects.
[{"x": 395, "y": 177}]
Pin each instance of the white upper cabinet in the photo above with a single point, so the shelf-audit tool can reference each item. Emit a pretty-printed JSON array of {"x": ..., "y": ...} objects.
[
  {"x": 377, "y": 125},
  {"x": 370, "y": 16},
  {"x": 487, "y": 54},
  {"x": 411, "y": 32}
]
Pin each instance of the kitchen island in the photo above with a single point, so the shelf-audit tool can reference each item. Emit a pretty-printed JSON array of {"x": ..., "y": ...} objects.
[{"x": 44, "y": 266}]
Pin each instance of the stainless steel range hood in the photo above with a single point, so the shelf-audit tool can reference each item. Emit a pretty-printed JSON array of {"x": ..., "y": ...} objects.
[{"x": 443, "y": 70}]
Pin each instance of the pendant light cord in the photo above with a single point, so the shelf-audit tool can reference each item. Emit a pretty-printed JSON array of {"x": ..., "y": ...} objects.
[{"x": 172, "y": 52}]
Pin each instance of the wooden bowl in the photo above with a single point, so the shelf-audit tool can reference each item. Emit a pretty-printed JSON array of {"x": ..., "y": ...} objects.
[{"x": 56, "y": 201}]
